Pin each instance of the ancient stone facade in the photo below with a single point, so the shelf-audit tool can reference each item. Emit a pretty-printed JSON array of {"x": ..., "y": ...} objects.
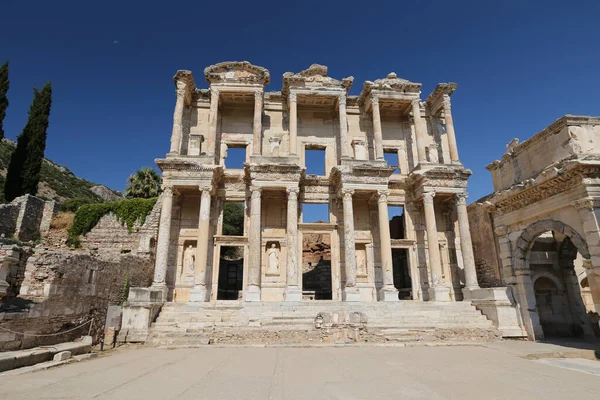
[
  {"x": 545, "y": 218},
  {"x": 275, "y": 130}
]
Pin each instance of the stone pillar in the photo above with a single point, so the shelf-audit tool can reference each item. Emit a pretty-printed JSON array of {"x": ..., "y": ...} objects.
[
  {"x": 350, "y": 291},
  {"x": 177, "y": 133},
  {"x": 438, "y": 289},
  {"x": 293, "y": 123},
  {"x": 377, "y": 133},
  {"x": 199, "y": 291},
  {"x": 164, "y": 233},
  {"x": 292, "y": 290},
  {"x": 589, "y": 213},
  {"x": 527, "y": 303},
  {"x": 344, "y": 142},
  {"x": 466, "y": 246},
  {"x": 450, "y": 129},
  {"x": 388, "y": 292},
  {"x": 419, "y": 130},
  {"x": 257, "y": 127},
  {"x": 213, "y": 118},
  {"x": 573, "y": 289},
  {"x": 255, "y": 247}
]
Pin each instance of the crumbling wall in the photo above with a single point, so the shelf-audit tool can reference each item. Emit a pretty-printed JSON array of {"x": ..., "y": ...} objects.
[
  {"x": 8, "y": 219},
  {"x": 484, "y": 245},
  {"x": 26, "y": 217}
]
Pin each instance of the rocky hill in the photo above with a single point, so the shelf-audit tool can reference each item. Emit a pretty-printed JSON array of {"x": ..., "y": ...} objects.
[{"x": 57, "y": 182}]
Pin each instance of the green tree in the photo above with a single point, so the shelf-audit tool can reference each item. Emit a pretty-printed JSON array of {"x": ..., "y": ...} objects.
[
  {"x": 4, "y": 84},
  {"x": 144, "y": 183},
  {"x": 25, "y": 164},
  {"x": 233, "y": 219}
]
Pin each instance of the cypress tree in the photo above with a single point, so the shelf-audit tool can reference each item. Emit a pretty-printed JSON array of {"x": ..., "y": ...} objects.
[
  {"x": 23, "y": 173},
  {"x": 4, "y": 84}
]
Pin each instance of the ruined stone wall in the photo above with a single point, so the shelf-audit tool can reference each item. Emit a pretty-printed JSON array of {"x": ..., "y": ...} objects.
[
  {"x": 13, "y": 259},
  {"x": 26, "y": 217},
  {"x": 64, "y": 289},
  {"x": 8, "y": 218},
  {"x": 484, "y": 245}
]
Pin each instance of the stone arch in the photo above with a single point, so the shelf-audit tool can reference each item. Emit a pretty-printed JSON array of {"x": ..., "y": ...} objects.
[
  {"x": 527, "y": 238},
  {"x": 549, "y": 276}
]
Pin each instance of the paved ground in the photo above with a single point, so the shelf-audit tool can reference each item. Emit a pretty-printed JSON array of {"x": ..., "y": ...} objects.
[{"x": 493, "y": 372}]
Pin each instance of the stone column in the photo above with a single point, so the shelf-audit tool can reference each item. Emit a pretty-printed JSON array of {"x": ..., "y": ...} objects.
[
  {"x": 344, "y": 142},
  {"x": 419, "y": 130},
  {"x": 589, "y": 213},
  {"x": 177, "y": 133},
  {"x": 377, "y": 134},
  {"x": 293, "y": 123},
  {"x": 292, "y": 290},
  {"x": 438, "y": 289},
  {"x": 213, "y": 118},
  {"x": 257, "y": 127},
  {"x": 450, "y": 129},
  {"x": 255, "y": 247},
  {"x": 199, "y": 291},
  {"x": 466, "y": 246},
  {"x": 388, "y": 292},
  {"x": 350, "y": 292},
  {"x": 164, "y": 233},
  {"x": 526, "y": 299}
]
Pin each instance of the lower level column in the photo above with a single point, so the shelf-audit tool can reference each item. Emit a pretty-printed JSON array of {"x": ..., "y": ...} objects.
[
  {"x": 254, "y": 244},
  {"x": 388, "y": 292},
  {"x": 438, "y": 288},
  {"x": 292, "y": 290},
  {"x": 350, "y": 291},
  {"x": 162, "y": 245},
  {"x": 466, "y": 246},
  {"x": 199, "y": 291}
]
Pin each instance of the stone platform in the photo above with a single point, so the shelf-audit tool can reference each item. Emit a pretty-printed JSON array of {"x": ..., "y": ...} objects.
[{"x": 197, "y": 324}]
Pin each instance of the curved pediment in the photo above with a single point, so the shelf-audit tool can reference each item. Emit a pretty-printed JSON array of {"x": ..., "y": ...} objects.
[
  {"x": 315, "y": 77},
  {"x": 237, "y": 72}
]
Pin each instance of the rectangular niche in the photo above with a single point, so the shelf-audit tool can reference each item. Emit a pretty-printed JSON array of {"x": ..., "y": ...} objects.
[{"x": 396, "y": 216}]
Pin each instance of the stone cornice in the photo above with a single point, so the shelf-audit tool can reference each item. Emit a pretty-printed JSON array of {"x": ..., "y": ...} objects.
[
  {"x": 435, "y": 100},
  {"x": 555, "y": 127},
  {"x": 314, "y": 78},
  {"x": 237, "y": 72},
  {"x": 186, "y": 77},
  {"x": 392, "y": 84}
]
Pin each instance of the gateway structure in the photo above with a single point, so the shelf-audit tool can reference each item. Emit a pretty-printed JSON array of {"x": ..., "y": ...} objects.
[{"x": 391, "y": 186}]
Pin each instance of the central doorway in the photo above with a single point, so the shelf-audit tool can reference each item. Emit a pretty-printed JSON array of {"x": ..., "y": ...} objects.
[
  {"x": 401, "y": 273},
  {"x": 231, "y": 273},
  {"x": 316, "y": 266}
]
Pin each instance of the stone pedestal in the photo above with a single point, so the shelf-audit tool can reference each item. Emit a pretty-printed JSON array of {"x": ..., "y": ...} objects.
[
  {"x": 385, "y": 294},
  {"x": 252, "y": 293},
  {"x": 496, "y": 304},
  {"x": 350, "y": 294},
  {"x": 439, "y": 293},
  {"x": 199, "y": 293},
  {"x": 293, "y": 293},
  {"x": 140, "y": 310}
]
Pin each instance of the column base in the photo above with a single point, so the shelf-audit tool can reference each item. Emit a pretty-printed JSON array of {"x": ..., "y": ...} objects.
[
  {"x": 439, "y": 293},
  {"x": 350, "y": 294},
  {"x": 199, "y": 293},
  {"x": 387, "y": 294},
  {"x": 293, "y": 293},
  {"x": 468, "y": 292},
  {"x": 252, "y": 293}
]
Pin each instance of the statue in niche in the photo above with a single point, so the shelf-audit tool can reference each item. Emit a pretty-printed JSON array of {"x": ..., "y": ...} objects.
[
  {"x": 361, "y": 262},
  {"x": 432, "y": 151},
  {"x": 189, "y": 258},
  {"x": 273, "y": 259}
]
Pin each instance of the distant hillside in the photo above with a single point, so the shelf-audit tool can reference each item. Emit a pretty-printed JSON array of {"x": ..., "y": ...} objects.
[{"x": 57, "y": 182}]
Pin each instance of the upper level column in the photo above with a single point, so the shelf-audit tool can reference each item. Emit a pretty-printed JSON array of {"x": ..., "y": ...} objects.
[
  {"x": 292, "y": 101},
  {"x": 450, "y": 128},
  {"x": 419, "y": 130},
  {"x": 344, "y": 142},
  {"x": 177, "y": 133},
  {"x": 213, "y": 118},
  {"x": 257, "y": 127},
  {"x": 377, "y": 133}
]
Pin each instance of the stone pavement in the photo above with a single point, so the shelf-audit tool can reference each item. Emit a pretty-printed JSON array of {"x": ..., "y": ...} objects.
[{"x": 494, "y": 371}]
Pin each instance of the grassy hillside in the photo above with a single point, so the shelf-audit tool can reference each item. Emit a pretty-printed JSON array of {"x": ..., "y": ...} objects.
[{"x": 57, "y": 182}]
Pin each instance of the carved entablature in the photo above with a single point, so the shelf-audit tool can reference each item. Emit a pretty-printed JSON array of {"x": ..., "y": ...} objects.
[
  {"x": 189, "y": 173},
  {"x": 390, "y": 86},
  {"x": 236, "y": 73},
  {"x": 314, "y": 79},
  {"x": 359, "y": 176},
  {"x": 439, "y": 99},
  {"x": 278, "y": 174},
  {"x": 441, "y": 179}
]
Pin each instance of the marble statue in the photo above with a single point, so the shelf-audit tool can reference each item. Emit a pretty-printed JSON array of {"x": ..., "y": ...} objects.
[
  {"x": 273, "y": 259},
  {"x": 189, "y": 257}
]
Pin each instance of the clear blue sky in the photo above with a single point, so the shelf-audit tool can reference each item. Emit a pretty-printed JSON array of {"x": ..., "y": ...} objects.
[{"x": 519, "y": 65}]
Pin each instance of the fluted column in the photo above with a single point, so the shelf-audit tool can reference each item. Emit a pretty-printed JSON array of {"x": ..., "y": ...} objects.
[
  {"x": 438, "y": 289},
  {"x": 466, "y": 245},
  {"x": 199, "y": 292},
  {"x": 419, "y": 130},
  {"x": 254, "y": 244},
  {"x": 164, "y": 233},
  {"x": 213, "y": 118},
  {"x": 293, "y": 123},
  {"x": 377, "y": 134},
  {"x": 257, "y": 127},
  {"x": 344, "y": 142},
  {"x": 350, "y": 291},
  {"x": 177, "y": 133},
  {"x": 450, "y": 129},
  {"x": 388, "y": 292},
  {"x": 292, "y": 290}
]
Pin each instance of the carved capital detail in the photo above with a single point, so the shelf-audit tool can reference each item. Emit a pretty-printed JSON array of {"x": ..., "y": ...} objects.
[
  {"x": 416, "y": 103},
  {"x": 446, "y": 104},
  {"x": 584, "y": 204},
  {"x": 428, "y": 197},
  {"x": 461, "y": 198},
  {"x": 375, "y": 101},
  {"x": 342, "y": 99},
  {"x": 204, "y": 191},
  {"x": 383, "y": 195},
  {"x": 347, "y": 193},
  {"x": 255, "y": 192},
  {"x": 293, "y": 97},
  {"x": 258, "y": 95},
  {"x": 293, "y": 192}
]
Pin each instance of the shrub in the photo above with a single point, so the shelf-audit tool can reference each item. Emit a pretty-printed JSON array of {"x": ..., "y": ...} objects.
[{"x": 74, "y": 204}]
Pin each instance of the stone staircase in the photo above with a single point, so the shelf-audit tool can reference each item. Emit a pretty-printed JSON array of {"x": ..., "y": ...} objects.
[{"x": 195, "y": 324}]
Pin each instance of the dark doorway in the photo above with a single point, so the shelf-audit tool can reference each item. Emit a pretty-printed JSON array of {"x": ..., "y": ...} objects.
[
  {"x": 316, "y": 266},
  {"x": 231, "y": 273},
  {"x": 402, "y": 280}
]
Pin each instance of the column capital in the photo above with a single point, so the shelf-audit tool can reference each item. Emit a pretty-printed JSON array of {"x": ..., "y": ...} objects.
[
  {"x": 204, "y": 191},
  {"x": 383, "y": 195},
  {"x": 258, "y": 95},
  {"x": 446, "y": 104},
  {"x": 428, "y": 197},
  {"x": 215, "y": 92},
  {"x": 461, "y": 198},
  {"x": 293, "y": 191},
  {"x": 181, "y": 90},
  {"x": 292, "y": 97},
  {"x": 342, "y": 99},
  {"x": 167, "y": 188},
  {"x": 346, "y": 192},
  {"x": 416, "y": 103},
  {"x": 374, "y": 100},
  {"x": 256, "y": 191},
  {"x": 585, "y": 204}
]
